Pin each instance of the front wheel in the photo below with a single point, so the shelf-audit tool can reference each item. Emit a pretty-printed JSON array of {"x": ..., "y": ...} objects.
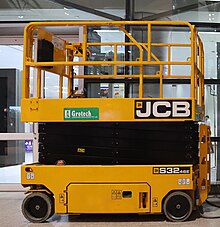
[
  {"x": 178, "y": 206},
  {"x": 37, "y": 207}
]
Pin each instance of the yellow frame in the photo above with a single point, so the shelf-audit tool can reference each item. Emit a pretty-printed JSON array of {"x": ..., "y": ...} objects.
[
  {"x": 48, "y": 110},
  {"x": 84, "y": 183}
]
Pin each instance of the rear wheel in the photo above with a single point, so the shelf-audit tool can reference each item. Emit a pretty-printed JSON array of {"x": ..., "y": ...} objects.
[
  {"x": 37, "y": 207},
  {"x": 52, "y": 208},
  {"x": 178, "y": 206}
]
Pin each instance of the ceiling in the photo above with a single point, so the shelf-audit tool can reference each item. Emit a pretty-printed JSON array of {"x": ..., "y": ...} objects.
[
  {"x": 140, "y": 6},
  {"x": 19, "y": 12}
]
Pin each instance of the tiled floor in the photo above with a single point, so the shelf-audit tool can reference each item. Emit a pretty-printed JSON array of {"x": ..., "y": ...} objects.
[{"x": 11, "y": 216}]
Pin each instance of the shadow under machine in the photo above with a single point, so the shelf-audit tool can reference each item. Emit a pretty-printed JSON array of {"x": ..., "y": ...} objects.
[{"x": 101, "y": 150}]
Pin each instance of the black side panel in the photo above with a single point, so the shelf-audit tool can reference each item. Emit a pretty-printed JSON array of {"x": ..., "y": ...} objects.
[
  {"x": 45, "y": 51},
  {"x": 119, "y": 143}
]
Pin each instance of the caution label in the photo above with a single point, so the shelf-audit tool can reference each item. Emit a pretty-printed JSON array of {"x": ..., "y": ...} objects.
[
  {"x": 81, "y": 150},
  {"x": 61, "y": 198},
  {"x": 116, "y": 194},
  {"x": 155, "y": 202}
]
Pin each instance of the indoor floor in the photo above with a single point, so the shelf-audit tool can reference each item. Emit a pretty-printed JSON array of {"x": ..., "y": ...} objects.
[{"x": 11, "y": 216}]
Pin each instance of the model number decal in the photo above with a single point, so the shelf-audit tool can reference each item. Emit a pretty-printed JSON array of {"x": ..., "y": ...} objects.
[{"x": 171, "y": 170}]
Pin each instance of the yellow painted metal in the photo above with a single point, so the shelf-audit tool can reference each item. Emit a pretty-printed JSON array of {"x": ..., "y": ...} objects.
[
  {"x": 33, "y": 104},
  {"x": 64, "y": 180},
  {"x": 149, "y": 42},
  {"x": 105, "y": 63},
  {"x": 84, "y": 44},
  {"x": 119, "y": 109},
  {"x": 38, "y": 82},
  {"x": 61, "y": 87},
  {"x": 132, "y": 44},
  {"x": 64, "y": 61},
  {"x": 70, "y": 72},
  {"x": 38, "y": 190},
  {"x": 108, "y": 198},
  {"x": 128, "y": 76},
  {"x": 204, "y": 162}
]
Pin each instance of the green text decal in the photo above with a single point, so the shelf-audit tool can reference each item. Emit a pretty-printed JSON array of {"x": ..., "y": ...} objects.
[{"x": 81, "y": 113}]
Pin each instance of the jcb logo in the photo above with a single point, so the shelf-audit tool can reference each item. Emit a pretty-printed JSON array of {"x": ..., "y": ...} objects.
[{"x": 162, "y": 109}]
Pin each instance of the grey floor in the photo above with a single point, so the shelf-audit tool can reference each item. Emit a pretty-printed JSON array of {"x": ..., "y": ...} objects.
[{"x": 11, "y": 216}]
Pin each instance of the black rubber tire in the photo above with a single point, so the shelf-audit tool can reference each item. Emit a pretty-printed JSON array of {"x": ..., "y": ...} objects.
[
  {"x": 37, "y": 207},
  {"x": 52, "y": 208},
  {"x": 178, "y": 206}
]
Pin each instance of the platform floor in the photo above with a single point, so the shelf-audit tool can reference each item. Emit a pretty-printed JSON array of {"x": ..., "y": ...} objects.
[{"x": 11, "y": 216}]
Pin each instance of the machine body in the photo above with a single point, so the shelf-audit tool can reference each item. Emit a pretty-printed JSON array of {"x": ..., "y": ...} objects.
[{"x": 135, "y": 153}]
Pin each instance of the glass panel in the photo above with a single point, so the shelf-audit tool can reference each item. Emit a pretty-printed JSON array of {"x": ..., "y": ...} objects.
[
  {"x": 214, "y": 162},
  {"x": 198, "y": 11},
  {"x": 176, "y": 91},
  {"x": 212, "y": 105},
  {"x": 212, "y": 108},
  {"x": 49, "y": 10},
  {"x": 106, "y": 90},
  {"x": 169, "y": 90},
  {"x": 51, "y": 88},
  {"x": 187, "y": 10},
  {"x": 151, "y": 90},
  {"x": 210, "y": 42},
  {"x": 12, "y": 155},
  {"x": 105, "y": 52},
  {"x": 10, "y": 87}
]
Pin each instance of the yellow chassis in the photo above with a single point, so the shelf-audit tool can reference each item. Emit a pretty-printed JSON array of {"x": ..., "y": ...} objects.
[
  {"x": 99, "y": 189},
  {"x": 77, "y": 189}
]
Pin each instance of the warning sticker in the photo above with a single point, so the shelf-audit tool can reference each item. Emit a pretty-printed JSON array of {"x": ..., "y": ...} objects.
[
  {"x": 61, "y": 198},
  {"x": 155, "y": 202},
  {"x": 30, "y": 176},
  {"x": 116, "y": 194},
  {"x": 81, "y": 150}
]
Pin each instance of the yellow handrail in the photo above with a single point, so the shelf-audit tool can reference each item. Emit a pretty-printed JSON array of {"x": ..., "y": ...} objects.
[{"x": 65, "y": 53}]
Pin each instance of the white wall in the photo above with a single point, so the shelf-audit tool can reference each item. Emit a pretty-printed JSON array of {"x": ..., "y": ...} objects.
[{"x": 11, "y": 56}]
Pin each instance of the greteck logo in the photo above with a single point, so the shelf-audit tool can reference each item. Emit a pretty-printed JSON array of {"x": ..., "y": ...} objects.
[
  {"x": 163, "y": 109},
  {"x": 81, "y": 113}
]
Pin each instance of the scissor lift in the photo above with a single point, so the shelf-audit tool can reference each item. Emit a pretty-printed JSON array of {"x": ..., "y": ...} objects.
[{"x": 144, "y": 155}]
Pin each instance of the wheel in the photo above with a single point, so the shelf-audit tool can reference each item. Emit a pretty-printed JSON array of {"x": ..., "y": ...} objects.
[
  {"x": 178, "y": 206},
  {"x": 52, "y": 207},
  {"x": 37, "y": 207}
]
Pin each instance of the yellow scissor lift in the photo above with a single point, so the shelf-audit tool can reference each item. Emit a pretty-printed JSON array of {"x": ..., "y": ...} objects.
[{"x": 174, "y": 189}]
